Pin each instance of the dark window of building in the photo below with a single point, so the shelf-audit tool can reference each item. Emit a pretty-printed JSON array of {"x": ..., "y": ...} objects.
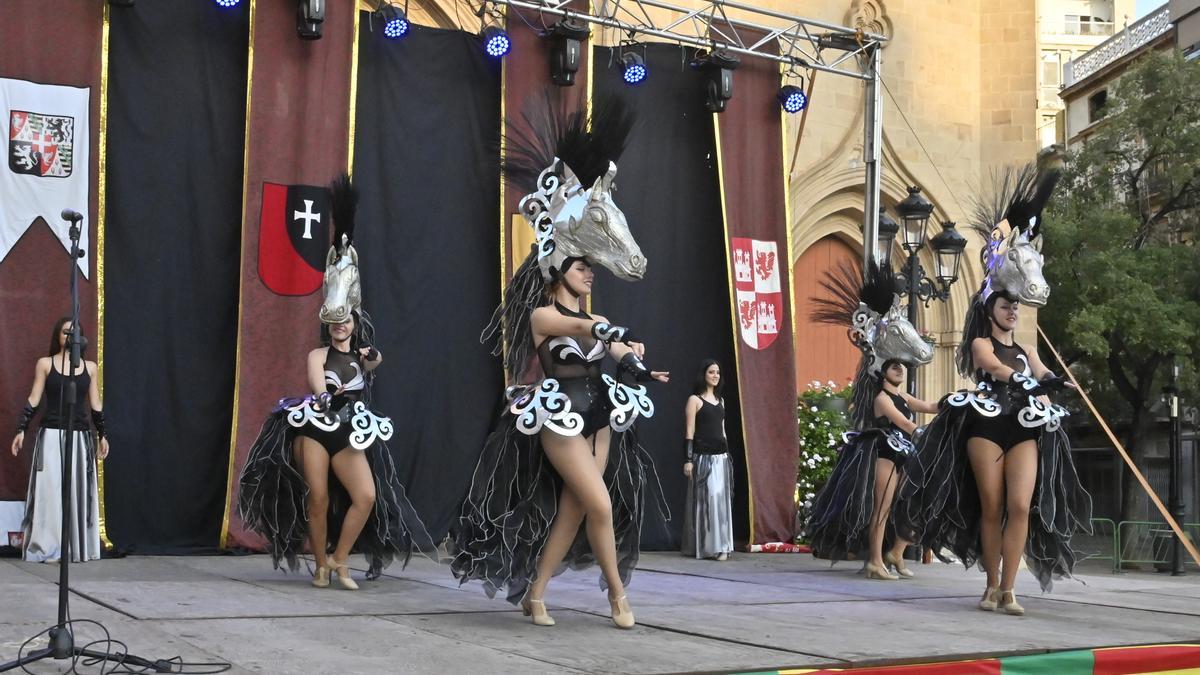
[{"x": 1096, "y": 103}]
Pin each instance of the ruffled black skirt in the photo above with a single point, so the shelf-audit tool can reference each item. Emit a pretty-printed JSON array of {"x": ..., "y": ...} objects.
[
  {"x": 272, "y": 495},
  {"x": 840, "y": 518},
  {"x": 514, "y": 494},
  {"x": 938, "y": 506}
]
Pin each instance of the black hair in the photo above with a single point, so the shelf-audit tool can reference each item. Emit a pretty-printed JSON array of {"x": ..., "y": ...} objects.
[
  {"x": 56, "y": 345},
  {"x": 978, "y": 324},
  {"x": 701, "y": 385}
]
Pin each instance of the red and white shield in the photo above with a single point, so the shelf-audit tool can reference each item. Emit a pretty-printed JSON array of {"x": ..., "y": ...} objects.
[{"x": 759, "y": 298}]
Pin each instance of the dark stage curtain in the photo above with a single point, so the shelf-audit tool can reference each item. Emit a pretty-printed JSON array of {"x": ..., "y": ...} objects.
[
  {"x": 669, "y": 191},
  {"x": 426, "y": 165},
  {"x": 176, "y": 124}
]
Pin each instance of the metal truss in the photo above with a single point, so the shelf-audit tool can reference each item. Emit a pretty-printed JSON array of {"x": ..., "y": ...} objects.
[{"x": 801, "y": 43}]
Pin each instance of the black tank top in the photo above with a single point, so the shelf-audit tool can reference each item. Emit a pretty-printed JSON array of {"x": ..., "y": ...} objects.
[
  {"x": 1013, "y": 356},
  {"x": 56, "y": 399},
  {"x": 709, "y": 437},
  {"x": 571, "y": 355},
  {"x": 343, "y": 371},
  {"x": 902, "y": 405}
]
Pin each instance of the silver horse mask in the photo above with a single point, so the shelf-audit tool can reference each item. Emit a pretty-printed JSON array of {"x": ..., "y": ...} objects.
[
  {"x": 341, "y": 288},
  {"x": 1010, "y": 218},
  {"x": 868, "y": 305},
  {"x": 572, "y": 221},
  {"x": 1014, "y": 265},
  {"x": 888, "y": 337}
]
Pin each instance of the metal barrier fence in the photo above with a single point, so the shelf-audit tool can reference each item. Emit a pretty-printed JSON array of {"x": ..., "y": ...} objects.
[{"x": 1134, "y": 542}]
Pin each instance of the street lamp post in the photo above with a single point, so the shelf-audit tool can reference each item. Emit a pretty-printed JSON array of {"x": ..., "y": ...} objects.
[
  {"x": 947, "y": 247},
  {"x": 1175, "y": 498}
]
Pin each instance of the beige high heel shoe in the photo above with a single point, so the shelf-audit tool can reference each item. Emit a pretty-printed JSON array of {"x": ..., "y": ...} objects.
[
  {"x": 537, "y": 610},
  {"x": 880, "y": 573},
  {"x": 898, "y": 565},
  {"x": 344, "y": 580},
  {"x": 622, "y": 615},
  {"x": 988, "y": 602},
  {"x": 321, "y": 577},
  {"x": 1011, "y": 606}
]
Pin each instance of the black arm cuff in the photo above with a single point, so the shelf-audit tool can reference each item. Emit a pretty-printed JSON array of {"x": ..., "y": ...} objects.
[
  {"x": 631, "y": 364},
  {"x": 606, "y": 332},
  {"x": 25, "y": 417},
  {"x": 373, "y": 354},
  {"x": 691, "y": 451},
  {"x": 98, "y": 422}
]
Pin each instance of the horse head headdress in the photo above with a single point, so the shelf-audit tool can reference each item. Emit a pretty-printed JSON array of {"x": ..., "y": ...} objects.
[
  {"x": 877, "y": 324},
  {"x": 1009, "y": 217},
  {"x": 566, "y": 164},
  {"x": 341, "y": 287}
]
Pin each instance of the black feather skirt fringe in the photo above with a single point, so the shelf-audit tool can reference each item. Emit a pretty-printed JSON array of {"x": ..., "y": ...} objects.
[
  {"x": 938, "y": 505},
  {"x": 272, "y": 502},
  {"x": 839, "y": 522},
  {"x": 513, "y": 499}
]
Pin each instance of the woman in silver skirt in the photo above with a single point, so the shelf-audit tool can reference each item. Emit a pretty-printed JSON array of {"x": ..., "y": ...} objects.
[
  {"x": 708, "y": 520},
  {"x": 42, "y": 524}
]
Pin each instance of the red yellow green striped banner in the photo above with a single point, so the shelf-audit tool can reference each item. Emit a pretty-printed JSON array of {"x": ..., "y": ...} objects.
[{"x": 1175, "y": 659}]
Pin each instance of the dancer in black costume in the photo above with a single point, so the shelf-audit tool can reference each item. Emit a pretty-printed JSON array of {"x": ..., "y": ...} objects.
[
  {"x": 850, "y": 513},
  {"x": 546, "y": 468},
  {"x": 286, "y": 491},
  {"x": 992, "y": 476}
]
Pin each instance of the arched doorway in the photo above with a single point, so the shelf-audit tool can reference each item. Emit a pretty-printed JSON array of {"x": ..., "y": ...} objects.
[{"x": 823, "y": 352}]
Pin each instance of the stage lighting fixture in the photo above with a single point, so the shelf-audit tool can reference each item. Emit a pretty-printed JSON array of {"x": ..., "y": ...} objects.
[
  {"x": 495, "y": 41},
  {"x": 792, "y": 98},
  {"x": 566, "y": 49},
  {"x": 395, "y": 21},
  {"x": 633, "y": 68},
  {"x": 310, "y": 14},
  {"x": 227, "y": 3},
  {"x": 719, "y": 66}
]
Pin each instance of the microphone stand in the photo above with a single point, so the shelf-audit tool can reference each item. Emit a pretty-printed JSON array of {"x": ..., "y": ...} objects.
[{"x": 62, "y": 640}]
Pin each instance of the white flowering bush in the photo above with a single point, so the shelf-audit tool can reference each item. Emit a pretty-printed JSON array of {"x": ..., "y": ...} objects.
[{"x": 821, "y": 426}]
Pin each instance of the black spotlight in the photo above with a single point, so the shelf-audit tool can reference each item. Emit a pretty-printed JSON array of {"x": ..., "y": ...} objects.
[
  {"x": 791, "y": 98},
  {"x": 395, "y": 21},
  {"x": 310, "y": 14},
  {"x": 719, "y": 66},
  {"x": 566, "y": 50}
]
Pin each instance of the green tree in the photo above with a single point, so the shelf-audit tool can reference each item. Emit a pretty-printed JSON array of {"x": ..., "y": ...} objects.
[{"x": 1120, "y": 248}]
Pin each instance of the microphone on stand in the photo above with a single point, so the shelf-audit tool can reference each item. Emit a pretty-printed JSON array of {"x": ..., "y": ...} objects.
[{"x": 75, "y": 218}]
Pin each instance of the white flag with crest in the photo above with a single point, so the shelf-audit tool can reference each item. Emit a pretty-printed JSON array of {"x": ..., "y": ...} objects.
[{"x": 47, "y": 169}]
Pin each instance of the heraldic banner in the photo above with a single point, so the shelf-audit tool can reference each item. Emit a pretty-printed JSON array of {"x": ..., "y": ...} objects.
[
  {"x": 45, "y": 132},
  {"x": 753, "y": 191}
]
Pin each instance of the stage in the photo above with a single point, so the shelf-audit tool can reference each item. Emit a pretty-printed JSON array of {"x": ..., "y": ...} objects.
[{"x": 754, "y": 612}]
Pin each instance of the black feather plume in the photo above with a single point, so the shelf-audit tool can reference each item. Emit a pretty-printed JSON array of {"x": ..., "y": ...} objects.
[
  {"x": 847, "y": 289},
  {"x": 547, "y": 130},
  {"x": 344, "y": 200},
  {"x": 1015, "y": 194}
]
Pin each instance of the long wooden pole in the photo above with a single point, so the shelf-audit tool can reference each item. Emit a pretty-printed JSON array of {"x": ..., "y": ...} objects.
[{"x": 1187, "y": 543}]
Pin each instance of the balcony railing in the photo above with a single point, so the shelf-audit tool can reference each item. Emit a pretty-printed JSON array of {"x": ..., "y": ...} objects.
[
  {"x": 1085, "y": 27},
  {"x": 1135, "y": 35}
]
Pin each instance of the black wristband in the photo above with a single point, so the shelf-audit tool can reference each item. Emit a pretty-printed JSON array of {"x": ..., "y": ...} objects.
[
  {"x": 98, "y": 422},
  {"x": 1052, "y": 382},
  {"x": 372, "y": 354},
  {"x": 691, "y": 451},
  {"x": 25, "y": 417},
  {"x": 631, "y": 364}
]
